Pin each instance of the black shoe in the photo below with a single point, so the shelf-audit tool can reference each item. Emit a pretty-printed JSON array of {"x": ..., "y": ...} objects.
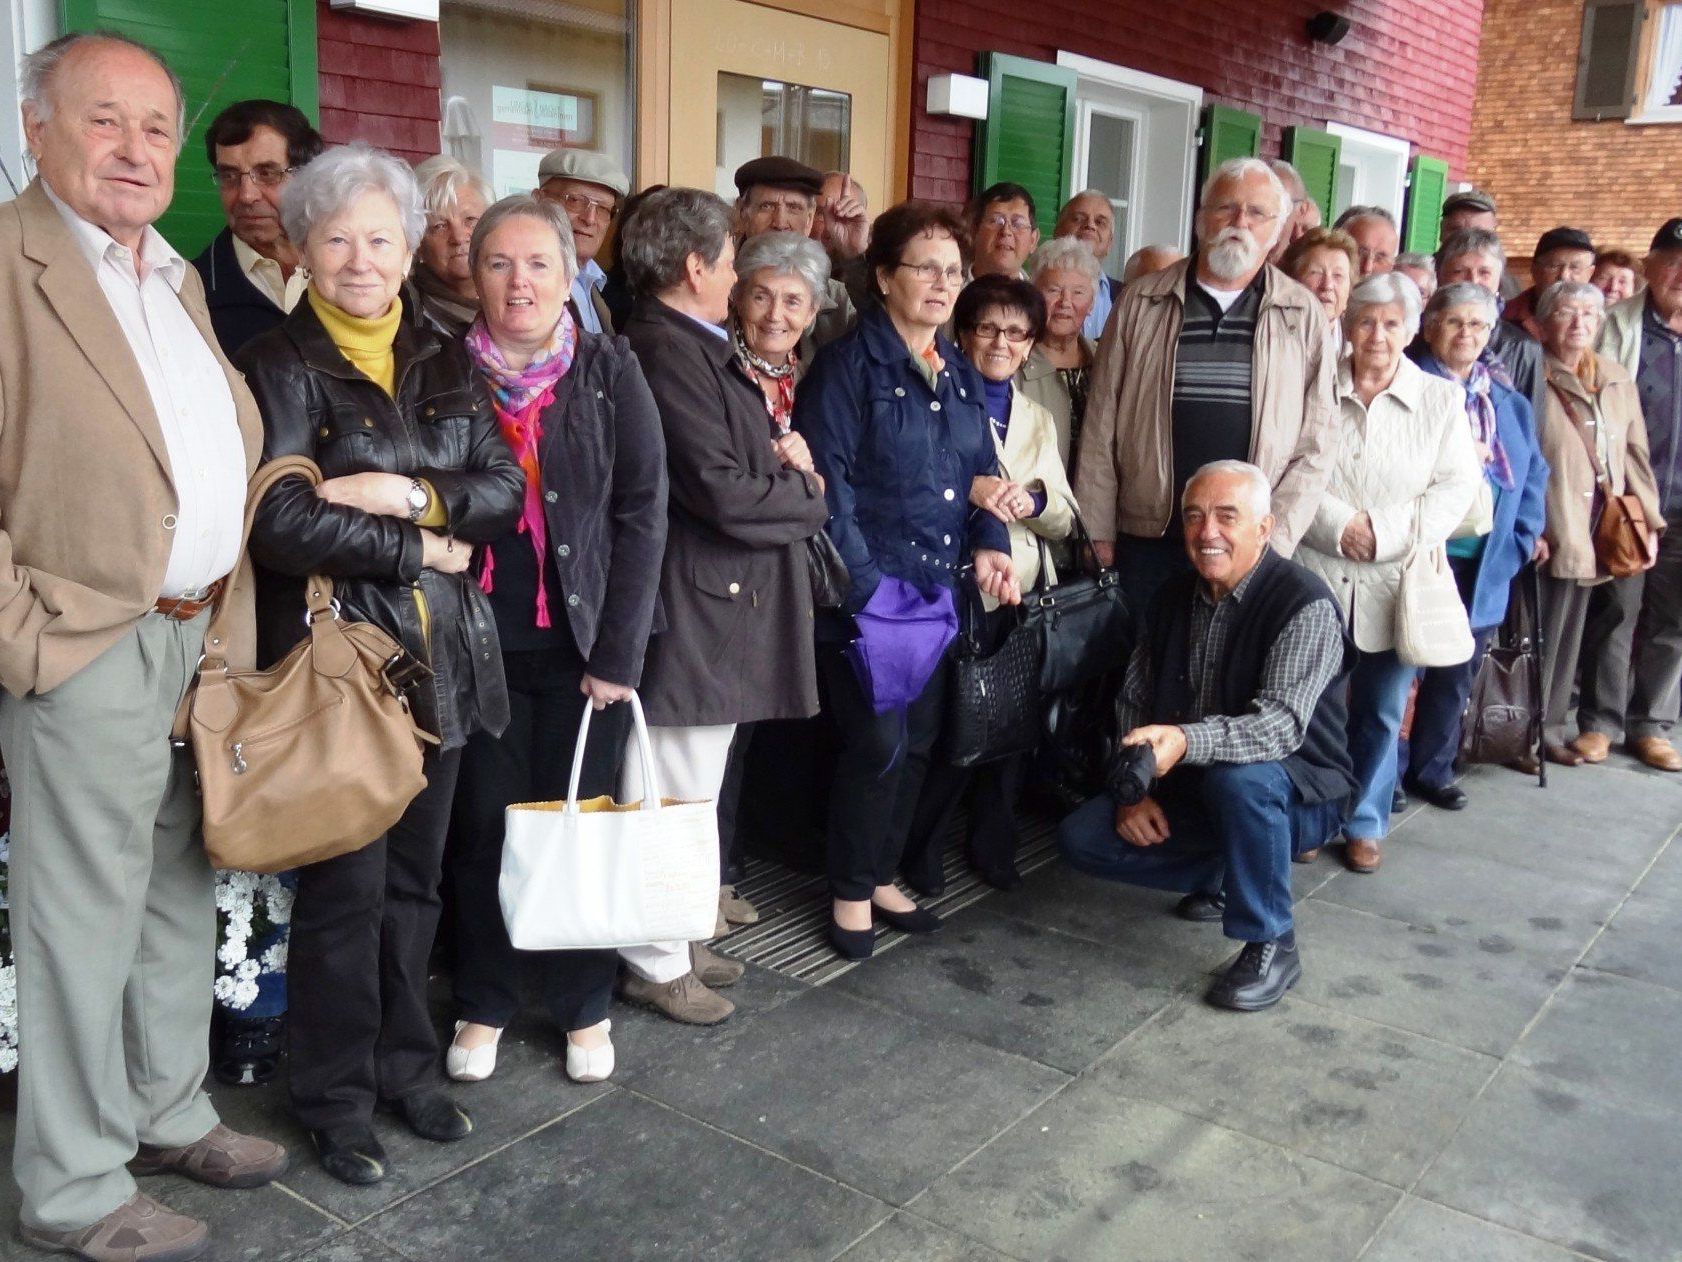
[
  {"x": 1000, "y": 878},
  {"x": 1398, "y": 800},
  {"x": 350, "y": 1154},
  {"x": 1201, "y": 907},
  {"x": 927, "y": 888},
  {"x": 433, "y": 1115},
  {"x": 1258, "y": 978},
  {"x": 852, "y": 944},
  {"x": 247, "y": 1051},
  {"x": 917, "y": 920},
  {"x": 1451, "y": 797}
]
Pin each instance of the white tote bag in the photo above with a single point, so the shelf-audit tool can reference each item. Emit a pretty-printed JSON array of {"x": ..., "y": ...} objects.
[
  {"x": 601, "y": 874},
  {"x": 1431, "y": 624}
]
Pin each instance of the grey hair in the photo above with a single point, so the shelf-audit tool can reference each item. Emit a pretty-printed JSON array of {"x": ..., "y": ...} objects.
[
  {"x": 37, "y": 70},
  {"x": 1472, "y": 241},
  {"x": 1462, "y": 293},
  {"x": 1261, "y": 490},
  {"x": 528, "y": 205},
  {"x": 1366, "y": 212},
  {"x": 1567, "y": 291},
  {"x": 1417, "y": 258},
  {"x": 442, "y": 179},
  {"x": 338, "y": 177},
  {"x": 1066, "y": 254},
  {"x": 1289, "y": 177},
  {"x": 665, "y": 229},
  {"x": 1237, "y": 169},
  {"x": 784, "y": 254},
  {"x": 1379, "y": 290}
]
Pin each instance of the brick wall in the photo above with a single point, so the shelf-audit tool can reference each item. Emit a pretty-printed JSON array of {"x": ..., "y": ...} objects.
[
  {"x": 1406, "y": 68},
  {"x": 379, "y": 81},
  {"x": 1617, "y": 182}
]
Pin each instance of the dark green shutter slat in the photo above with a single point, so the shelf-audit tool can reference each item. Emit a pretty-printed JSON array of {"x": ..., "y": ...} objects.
[
  {"x": 1608, "y": 59},
  {"x": 1028, "y": 136},
  {"x": 1427, "y": 190},
  {"x": 1228, "y": 133},
  {"x": 223, "y": 51},
  {"x": 1315, "y": 155}
]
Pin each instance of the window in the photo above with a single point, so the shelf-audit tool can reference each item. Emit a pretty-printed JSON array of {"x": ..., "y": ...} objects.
[
  {"x": 1662, "y": 100},
  {"x": 1372, "y": 170},
  {"x": 1106, "y": 143},
  {"x": 1608, "y": 59},
  {"x": 760, "y": 117}
]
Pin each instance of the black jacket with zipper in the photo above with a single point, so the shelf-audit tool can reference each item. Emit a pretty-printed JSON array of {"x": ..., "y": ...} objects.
[{"x": 439, "y": 427}]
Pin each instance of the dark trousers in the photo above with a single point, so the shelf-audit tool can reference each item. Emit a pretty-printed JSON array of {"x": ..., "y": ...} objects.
[
  {"x": 529, "y": 762},
  {"x": 362, "y": 928},
  {"x": 1427, "y": 756},
  {"x": 1232, "y": 827},
  {"x": 1143, "y": 565},
  {"x": 730, "y": 848},
  {"x": 878, "y": 775}
]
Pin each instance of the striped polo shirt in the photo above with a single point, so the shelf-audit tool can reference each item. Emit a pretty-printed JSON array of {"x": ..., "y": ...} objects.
[{"x": 1213, "y": 365}]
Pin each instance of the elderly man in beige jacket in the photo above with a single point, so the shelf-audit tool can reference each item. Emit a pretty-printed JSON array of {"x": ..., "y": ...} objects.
[
  {"x": 1219, "y": 357},
  {"x": 126, "y": 442}
]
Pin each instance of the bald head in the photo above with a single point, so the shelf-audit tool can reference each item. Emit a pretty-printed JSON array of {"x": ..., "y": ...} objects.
[{"x": 1148, "y": 259}]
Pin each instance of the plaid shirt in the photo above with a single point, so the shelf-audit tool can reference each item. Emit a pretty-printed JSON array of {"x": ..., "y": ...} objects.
[{"x": 1298, "y": 668}]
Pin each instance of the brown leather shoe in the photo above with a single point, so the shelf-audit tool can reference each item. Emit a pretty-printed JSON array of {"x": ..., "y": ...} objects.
[
  {"x": 1361, "y": 854},
  {"x": 224, "y": 1158},
  {"x": 1306, "y": 856},
  {"x": 138, "y": 1230},
  {"x": 685, "y": 999},
  {"x": 1564, "y": 755},
  {"x": 712, "y": 968},
  {"x": 1593, "y": 746},
  {"x": 1656, "y": 751},
  {"x": 734, "y": 908},
  {"x": 1525, "y": 764}
]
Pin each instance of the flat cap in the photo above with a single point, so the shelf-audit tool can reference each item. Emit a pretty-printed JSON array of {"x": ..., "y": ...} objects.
[
  {"x": 1563, "y": 239},
  {"x": 585, "y": 166},
  {"x": 1470, "y": 199},
  {"x": 779, "y": 172},
  {"x": 1668, "y": 237}
]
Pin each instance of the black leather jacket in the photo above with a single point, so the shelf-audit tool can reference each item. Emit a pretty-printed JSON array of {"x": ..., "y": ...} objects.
[{"x": 440, "y": 428}]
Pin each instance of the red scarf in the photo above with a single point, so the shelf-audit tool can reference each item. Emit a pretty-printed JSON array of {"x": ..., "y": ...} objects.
[{"x": 523, "y": 432}]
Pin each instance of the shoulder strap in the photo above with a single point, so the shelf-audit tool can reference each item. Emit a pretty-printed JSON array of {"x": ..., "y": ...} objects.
[{"x": 1583, "y": 433}]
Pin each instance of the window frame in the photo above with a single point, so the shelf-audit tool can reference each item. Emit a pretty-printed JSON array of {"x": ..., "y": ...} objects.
[
  {"x": 1642, "y": 113},
  {"x": 1634, "y": 78}
]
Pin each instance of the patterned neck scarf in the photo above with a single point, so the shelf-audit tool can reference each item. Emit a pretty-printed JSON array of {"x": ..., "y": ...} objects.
[
  {"x": 761, "y": 370},
  {"x": 519, "y": 396},
  {"x": 1480, "y": 410}
]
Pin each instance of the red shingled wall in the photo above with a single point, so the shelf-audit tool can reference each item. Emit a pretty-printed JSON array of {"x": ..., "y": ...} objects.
[
  {"x": 379, "y": 81},
  {"x": 1407, "y": 67}
]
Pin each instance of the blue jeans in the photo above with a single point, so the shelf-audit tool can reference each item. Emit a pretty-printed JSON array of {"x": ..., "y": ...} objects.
[
  {"x": 1378, "y": 697},
  {"x": 1232, "y": 827}
]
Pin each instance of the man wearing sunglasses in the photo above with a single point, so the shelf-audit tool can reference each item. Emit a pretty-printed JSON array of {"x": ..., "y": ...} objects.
[
  {"x": 590, "y": 187},
  {"x": 250, "y": 271}
]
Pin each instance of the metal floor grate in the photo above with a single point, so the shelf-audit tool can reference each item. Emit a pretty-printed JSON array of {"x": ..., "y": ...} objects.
[{"x": 794, "y": 906}]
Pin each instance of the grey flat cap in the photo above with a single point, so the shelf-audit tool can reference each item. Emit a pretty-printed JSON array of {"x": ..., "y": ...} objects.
[{"x": 585, "y": 166}]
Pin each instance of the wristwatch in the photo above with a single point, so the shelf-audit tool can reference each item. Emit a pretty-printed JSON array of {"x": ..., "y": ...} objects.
[{"x": 418, "y": 499}]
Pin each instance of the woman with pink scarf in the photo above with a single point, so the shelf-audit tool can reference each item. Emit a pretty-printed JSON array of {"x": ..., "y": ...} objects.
[{"x": 573, "y": 592}]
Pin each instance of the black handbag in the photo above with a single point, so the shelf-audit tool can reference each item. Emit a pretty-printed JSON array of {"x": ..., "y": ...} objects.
[
  {"x": 993, "y": 703},
  {"x": 1502, "y": 722},
  {"x": 1083, "y": 623},
  {"x": 830, "y": 577}
]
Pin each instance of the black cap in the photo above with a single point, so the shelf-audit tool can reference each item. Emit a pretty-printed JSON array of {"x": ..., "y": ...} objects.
[
  {"x": 779, "y": 172},
  {"x": 1668, "y": 237},
  {"x": 1470, "y": 199},
  {"x": 1563, "y": 239}
]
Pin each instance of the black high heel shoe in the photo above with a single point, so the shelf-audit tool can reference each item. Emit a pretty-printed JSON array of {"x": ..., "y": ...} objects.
[
  {"x": 852, "y": 944},
  {"x": 917, "y": 920}
]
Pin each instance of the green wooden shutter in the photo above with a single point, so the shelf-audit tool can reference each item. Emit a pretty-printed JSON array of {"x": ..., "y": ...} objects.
[
  {"x": 1028, "y": 136},
  {"x": 1315, "y": 155},
  {"x": 1427, "y": 190},
  {"x": 224, "y": 51},
  {"x": 1228, "y": 133}
]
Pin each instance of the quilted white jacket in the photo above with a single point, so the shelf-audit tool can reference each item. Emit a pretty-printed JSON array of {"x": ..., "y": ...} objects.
[{"x": 1411, "y": 451}]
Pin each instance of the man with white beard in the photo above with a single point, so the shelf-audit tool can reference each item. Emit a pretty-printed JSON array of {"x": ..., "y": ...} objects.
[{"x": 1218, "y": 357}]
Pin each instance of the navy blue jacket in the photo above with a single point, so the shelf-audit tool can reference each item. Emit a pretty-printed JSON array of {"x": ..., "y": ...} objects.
[
  {"x": 239, "y": 311},
  {"x": 1519, "y": 513},
  {"x": 898, "y": 458}
]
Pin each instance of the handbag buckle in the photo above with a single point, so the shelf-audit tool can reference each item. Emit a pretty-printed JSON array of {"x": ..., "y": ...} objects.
[
  {"x": 403, "y": 671},
  {"x": 332, "y": 611}
]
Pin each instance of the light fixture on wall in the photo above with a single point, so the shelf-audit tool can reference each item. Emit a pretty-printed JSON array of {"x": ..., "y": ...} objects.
[
  {"x": 957, "y": 95},
  {"x": 412, "y": 10},
  {"x": 1326, "y": 27}
]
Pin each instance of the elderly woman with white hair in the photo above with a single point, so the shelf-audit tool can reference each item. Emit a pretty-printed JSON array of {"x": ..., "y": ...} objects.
[
  {"x": 1058, "y": 371},
  {"x": 442, "y": 292},
  {"x": 416, "y": 474},
  {"x": 1405, "y": 477}
]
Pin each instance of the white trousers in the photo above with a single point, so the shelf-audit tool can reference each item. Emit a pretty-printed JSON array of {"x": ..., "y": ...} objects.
[{"x": 689, "y": 763}]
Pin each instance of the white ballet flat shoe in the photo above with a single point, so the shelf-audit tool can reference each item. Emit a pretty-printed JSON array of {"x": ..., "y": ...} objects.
[
  {"x": 590, "y": 1064},
  {"x": 471, "y": 1064}
]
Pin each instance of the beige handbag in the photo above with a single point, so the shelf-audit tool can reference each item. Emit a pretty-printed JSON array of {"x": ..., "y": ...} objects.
[
  {"x": 1431, "y": 624},
  {"x": 316, "y": 756}
]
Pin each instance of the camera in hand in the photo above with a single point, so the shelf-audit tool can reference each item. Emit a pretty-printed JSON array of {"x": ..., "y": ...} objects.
[{"x": 1132, "y": 769}]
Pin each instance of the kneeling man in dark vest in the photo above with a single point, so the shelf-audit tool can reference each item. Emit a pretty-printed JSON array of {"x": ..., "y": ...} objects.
[{"x": 1237, "y": 688}]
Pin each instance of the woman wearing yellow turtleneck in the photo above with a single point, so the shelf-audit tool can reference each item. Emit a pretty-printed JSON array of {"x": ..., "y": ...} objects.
[{"x": 416, "y": 473}]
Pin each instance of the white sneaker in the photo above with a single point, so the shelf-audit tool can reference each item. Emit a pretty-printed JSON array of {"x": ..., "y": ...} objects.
[
  {"x": 471, "y": 1064},
  {"x": 593, "y": 1064}
]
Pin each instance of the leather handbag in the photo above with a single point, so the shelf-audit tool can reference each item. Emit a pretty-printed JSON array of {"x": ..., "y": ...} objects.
[
  {"x": 1431, "y": 626},
  {"x": 1502, "y": 722},
  {"x": 1083, "y": 623},
  {"x": 831, "y": 580},
  {"x": 993, "y": 705},
  {"x": 1621, "y": 532},
  {"x": 320, "y": 754}
]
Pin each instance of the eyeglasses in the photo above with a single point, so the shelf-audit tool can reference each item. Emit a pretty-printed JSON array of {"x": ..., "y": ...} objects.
[
  {"x": 1383, "y": 258},
  {"x": 1019, "y": 223},
  {"x": 1013, "y": 333},
  {"x": 1237, "y": 210},
  {"x": 584, "y": 206},
  {"x": 1477, "y": 328},
  {"x": 266, "y": 176},
  {"x": 930, "y": 272}
]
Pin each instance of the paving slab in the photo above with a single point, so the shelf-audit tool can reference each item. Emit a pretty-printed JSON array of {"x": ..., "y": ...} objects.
[
  {"x": 1642, "y": 941},
  {"x": 1612, "y": 1037},
  {"x": 1094, "y": 1177},
  {"x": 1545, "y": 1157},
  {"x": 1366, "y": 1097},
  {"x": 882, "y": 1101},
  {"x": 630, "y": 1181},
  {"x": 1477, "y": 993},
  {"x": 1423, "y": 1230},
  {"x": 353, "y": 1246},
  {"x": 905, "y": 1238},
  {"x": 1017, "y": 986}
]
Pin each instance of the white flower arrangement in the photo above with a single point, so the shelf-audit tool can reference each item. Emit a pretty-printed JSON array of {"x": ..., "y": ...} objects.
[
  {"x": 8, "y": 970},
  {"x": 248, "y": 906}
]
